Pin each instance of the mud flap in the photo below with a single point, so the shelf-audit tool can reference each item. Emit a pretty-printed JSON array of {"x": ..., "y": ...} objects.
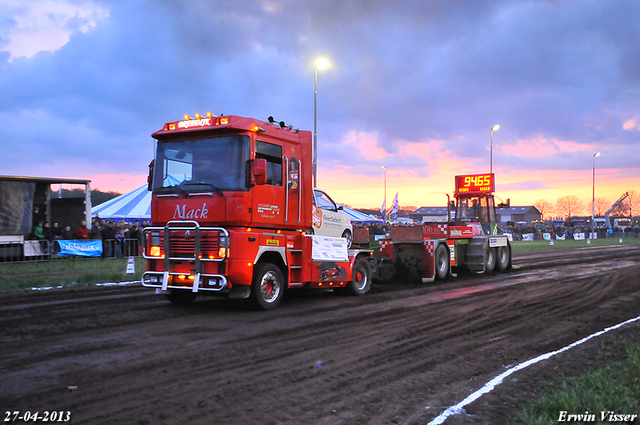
[{"x": 240, "y": 292}]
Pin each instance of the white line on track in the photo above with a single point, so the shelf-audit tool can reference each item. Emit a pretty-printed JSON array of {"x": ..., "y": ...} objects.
[{"x": 489, "y": 386}]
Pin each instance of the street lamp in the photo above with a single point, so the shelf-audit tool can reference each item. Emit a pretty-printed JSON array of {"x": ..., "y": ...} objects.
[
  {"x": 593, "y": 198},
  {"x": 385, "y": 189},
  {"x": 494, "y": 128},
  {"x": 321, "y": 63}
]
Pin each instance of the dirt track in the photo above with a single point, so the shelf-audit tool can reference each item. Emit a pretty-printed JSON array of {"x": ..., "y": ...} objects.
[{"x": 400, "y": 355}]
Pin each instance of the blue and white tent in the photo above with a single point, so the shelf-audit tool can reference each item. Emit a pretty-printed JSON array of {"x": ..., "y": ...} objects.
[
  {"x": 358, "y": 217},
  {"x": 135, "y": 205}
]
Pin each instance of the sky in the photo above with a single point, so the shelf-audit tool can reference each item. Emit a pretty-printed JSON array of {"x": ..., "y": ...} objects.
[{"x": 415, "y": 86}]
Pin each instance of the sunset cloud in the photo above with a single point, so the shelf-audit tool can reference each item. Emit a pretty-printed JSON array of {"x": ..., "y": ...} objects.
[{"x": 414, "y": 85}]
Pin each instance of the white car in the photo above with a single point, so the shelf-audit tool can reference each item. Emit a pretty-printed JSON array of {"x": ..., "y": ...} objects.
[{"x": 329, "y": 219}]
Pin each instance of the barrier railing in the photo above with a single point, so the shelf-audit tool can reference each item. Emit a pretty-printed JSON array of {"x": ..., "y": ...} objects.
[
  {"x": 25, "y": 251},
  {"x": 119, "y": 248}
]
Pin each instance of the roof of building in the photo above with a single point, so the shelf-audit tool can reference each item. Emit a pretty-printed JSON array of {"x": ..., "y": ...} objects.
[
  {"x": 431, "y": 211},
  {"x": 516, "y": 210}
]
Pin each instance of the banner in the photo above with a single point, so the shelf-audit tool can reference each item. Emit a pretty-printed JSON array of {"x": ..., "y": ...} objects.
[
  {"x": 81, "y": 248},
  {"x": 326, "y": 248},
  {"x": 394, "y": 208}
]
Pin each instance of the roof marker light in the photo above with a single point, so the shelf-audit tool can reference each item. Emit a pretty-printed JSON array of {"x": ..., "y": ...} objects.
[
  {"x": 198, "y": 116},
  {"x": 209, "y": 115},
  {"x": 187, "y": 117}
]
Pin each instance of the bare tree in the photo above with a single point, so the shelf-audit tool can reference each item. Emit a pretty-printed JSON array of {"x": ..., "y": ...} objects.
[
  {"x": 569, "y": 205},
  {"x": 602, "y": 205},
  {"x": 545, "y": 207}
]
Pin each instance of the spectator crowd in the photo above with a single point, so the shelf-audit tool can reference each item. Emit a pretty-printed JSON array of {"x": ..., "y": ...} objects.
[{"x": 119, "y": 239}]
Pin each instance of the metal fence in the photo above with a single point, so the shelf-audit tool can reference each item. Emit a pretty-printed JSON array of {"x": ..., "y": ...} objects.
[
  {"x": 25, "y": 251},
  {"x": 117, "y": 248},
  {"x": 45, "y": 250}
]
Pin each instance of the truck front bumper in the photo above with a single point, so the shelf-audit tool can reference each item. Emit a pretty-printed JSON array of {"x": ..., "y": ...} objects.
[{"x": 172, "y": 280}]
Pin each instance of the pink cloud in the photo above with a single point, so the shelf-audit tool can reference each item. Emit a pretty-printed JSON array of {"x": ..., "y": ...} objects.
[
  {"x": 541, "y": 146},
  {"x": 630, "y": 124}
]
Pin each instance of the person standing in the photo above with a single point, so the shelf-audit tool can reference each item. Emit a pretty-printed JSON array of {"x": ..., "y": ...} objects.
[{"x": 82, "y": 232}]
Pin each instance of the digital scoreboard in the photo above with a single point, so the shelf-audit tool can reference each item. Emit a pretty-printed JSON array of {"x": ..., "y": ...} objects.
[{"x": 476, "y": 183}]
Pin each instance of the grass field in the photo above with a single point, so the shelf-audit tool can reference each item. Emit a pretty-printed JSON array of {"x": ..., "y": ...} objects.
[
  {"x": 614, "y": 387},
  {"x": 67, "y": 272},
  {"x": 524, "y": 246}
]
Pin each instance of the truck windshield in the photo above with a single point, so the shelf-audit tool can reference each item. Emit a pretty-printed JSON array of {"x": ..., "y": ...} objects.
[
  {"x": 218, "y": 163},
  {"x": 479, "y": 208}
]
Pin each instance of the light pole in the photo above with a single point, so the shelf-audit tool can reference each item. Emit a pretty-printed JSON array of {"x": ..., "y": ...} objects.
[
  {"x": 494, "y": 128},
  {"x": 385, "y": 189},
  {"x": 593, "y": 197},
  {"x": 322, "y": 64}
]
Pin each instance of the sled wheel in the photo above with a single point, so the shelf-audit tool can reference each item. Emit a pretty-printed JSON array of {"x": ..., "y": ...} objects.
[
  {"x": 442, "y": 262},
  {"x": 490, "y": 260},
  {"x": 503, "y": 255}
]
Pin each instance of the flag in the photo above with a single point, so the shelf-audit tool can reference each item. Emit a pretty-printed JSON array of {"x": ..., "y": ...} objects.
[
  {"x": 394, "y": 208},
  {"x": 383, "y": 210},
  {"x": 60, "y": 191}
]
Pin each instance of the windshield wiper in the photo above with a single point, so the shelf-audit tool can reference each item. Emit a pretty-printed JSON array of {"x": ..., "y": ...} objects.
[
  {"x": 169, "y": 188},
  {"x": 209, "y": 185}
]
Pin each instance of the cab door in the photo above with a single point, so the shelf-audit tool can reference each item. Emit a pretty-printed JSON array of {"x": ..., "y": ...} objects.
[{"x": 269, "y": 198}]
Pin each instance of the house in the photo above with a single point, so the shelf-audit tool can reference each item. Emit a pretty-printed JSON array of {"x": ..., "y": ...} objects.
[
  {"x": 429, "y": 215},
  {"x": 516, "y": 214}
]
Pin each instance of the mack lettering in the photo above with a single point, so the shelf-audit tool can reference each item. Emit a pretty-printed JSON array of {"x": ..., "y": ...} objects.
[{"x": 182, "y": 213}]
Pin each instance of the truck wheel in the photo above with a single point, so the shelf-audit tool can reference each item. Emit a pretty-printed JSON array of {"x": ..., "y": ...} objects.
[
  {"x": 267, "y": 286},
  {"x": 361, "y": 278},
  {"x": 442, "y": 262},
  {"x": 490, "y": 260},
  {"x": 502, "y": 262},
  {"x": 181, "y": 296},
  {"x": 347, "y": 235}
]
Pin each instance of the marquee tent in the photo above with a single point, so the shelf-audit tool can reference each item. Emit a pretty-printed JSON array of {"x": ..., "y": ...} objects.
[
  {"x": 358, "y": 217},
  {"x": 136, "y": 205}
]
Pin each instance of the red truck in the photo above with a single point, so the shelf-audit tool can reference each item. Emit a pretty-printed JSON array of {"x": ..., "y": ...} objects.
[{"x": 233, "y": 209}]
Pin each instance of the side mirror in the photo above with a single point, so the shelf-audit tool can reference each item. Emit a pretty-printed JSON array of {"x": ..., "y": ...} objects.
[
  {"x": 340, "y": 208},
  {"x": 150, "y": 176},
  {"x": 260, "y": 171}
]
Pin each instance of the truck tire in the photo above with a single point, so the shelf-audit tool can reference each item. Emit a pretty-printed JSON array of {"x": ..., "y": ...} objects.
[
  {"x": 361, "y": 278},
  {"x": 442, "y": 262},
  {"x": 490, "y": 260},
  {"x": 267, "y": 287},
  {"x": 502, "y": 261},
  {"x": 181, "y": 296}
]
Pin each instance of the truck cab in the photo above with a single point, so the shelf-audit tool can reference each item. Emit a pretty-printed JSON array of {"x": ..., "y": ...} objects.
[{"x": 232, "y": 210}]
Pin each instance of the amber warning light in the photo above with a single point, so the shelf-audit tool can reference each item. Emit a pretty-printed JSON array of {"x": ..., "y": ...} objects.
[
  {"x": 199, "y": 121},
  {"x": 475, "y": 183}
]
